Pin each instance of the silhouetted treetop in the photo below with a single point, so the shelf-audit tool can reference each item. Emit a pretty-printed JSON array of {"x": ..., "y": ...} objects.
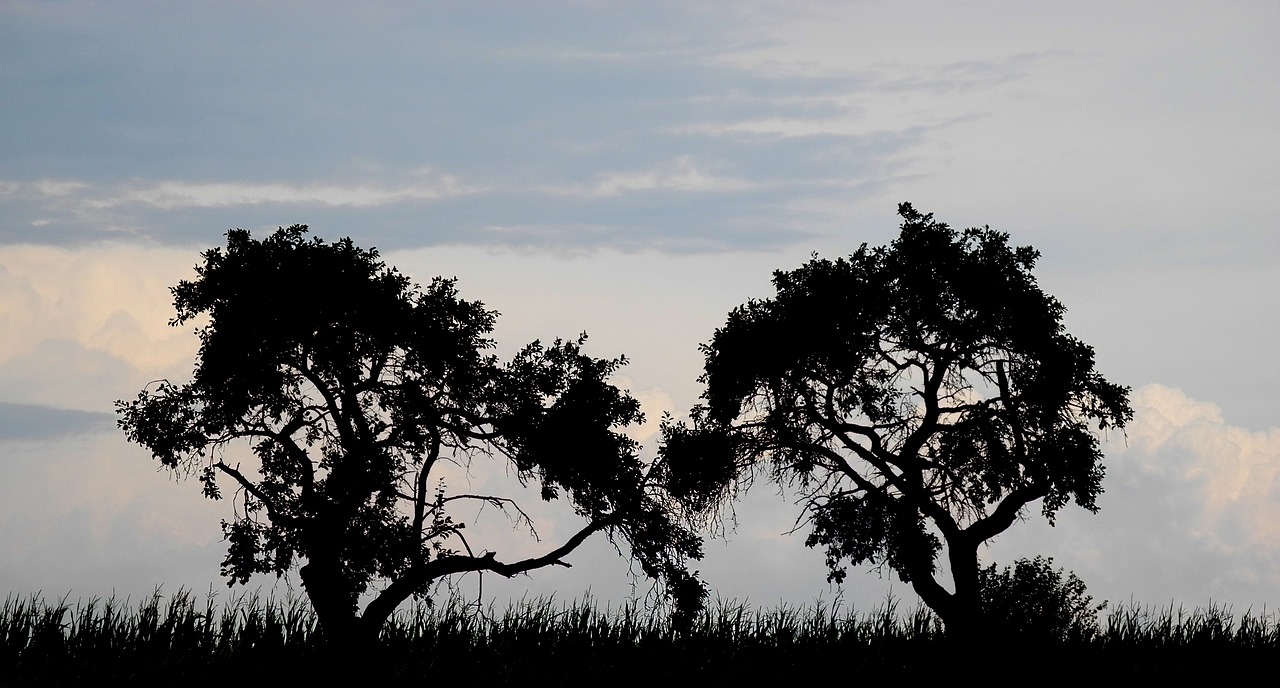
[
  {"x": 914, "y": 394},
  {"x": 351, "y": 385}
]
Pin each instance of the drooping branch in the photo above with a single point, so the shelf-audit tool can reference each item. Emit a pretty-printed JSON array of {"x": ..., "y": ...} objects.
[{"x": 422, "y": 574}]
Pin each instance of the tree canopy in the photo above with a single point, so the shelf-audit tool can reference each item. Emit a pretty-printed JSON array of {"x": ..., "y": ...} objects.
[
  {"x": 351, "y": 385},
  {"x": 917, "y": 396}
]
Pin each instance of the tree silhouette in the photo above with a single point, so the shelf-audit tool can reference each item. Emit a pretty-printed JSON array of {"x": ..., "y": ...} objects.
[
  {"x": 917, "y": 396},
  {"x": 352, "y": 387}
]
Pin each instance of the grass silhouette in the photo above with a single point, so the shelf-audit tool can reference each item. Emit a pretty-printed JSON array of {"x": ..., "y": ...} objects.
[{"x": 252, "y": 640}]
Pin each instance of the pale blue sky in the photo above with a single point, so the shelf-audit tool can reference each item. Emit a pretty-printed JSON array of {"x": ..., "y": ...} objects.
[{"x": 636, "y": 170}]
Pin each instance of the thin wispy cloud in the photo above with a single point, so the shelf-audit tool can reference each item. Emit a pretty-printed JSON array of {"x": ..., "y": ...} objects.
[
  {"x": 175, "y": 195},
  {"x": 683, "y": 175}
]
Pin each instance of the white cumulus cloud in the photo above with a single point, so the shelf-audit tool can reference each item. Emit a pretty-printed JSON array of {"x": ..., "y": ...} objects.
[
  {"x": 1189, "y": 513},
  {"x": 1233, "y": 469}
]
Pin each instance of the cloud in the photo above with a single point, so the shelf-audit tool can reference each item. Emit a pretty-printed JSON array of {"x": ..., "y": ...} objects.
[
  {"x": 65, "y": 374},
  {"x": 82, "y": 328},
  {"x": 110, "y": 299},
  {"x": 1234, "y": 470},
  {"x": 171, "y": 195},
  {"x": 1189, "y": 513},
  {"x": 557, "y": 137},
  {"x": 655, "y": 402},
  {"x": 37, "y": 422},
  {"x": 675, "y": 206},
  {"x": 82, "y": 198},
  {"x": 868, "y": 101},
  {"x": 90, "y": 515},
  {"x": 683, "y": 175}
]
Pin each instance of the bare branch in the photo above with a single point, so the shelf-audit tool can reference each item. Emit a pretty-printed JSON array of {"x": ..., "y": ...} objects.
[
  {"x": 501, "y": 503},
  {"x": 273, "y": 510},
  {"x": 422, "y": 574}
]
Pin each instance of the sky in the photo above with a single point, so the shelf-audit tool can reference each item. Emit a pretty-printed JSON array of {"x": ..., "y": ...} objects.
[{"x": 635, "y": 171}]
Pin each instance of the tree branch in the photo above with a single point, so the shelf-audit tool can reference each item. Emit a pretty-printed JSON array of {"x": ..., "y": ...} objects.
[
  {"x": 422, "y": 574},
  {"x": 346, "y": 433},
  {"x": 273, "y": 511},
  {"x": 284, "y": 438},
  {"x": 420, "y": 491},
  {"x": 1005, "y": 514}
]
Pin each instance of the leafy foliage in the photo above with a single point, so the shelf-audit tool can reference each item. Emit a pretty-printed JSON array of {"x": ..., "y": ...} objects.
[
  {"x": 915, "y": 395},
  {"x": 350, "y": 385},
  {"x": 1036, "y": 603}
]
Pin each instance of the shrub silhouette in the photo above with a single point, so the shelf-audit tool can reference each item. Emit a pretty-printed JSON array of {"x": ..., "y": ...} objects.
[{"x": 1034, "y": 602}]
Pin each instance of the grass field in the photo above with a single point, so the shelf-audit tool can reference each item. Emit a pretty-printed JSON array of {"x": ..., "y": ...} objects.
[{"x": 182, "y": 640}]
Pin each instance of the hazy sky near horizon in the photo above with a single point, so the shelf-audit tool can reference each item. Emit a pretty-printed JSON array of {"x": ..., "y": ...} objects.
[{"x": 636, "y": 170}]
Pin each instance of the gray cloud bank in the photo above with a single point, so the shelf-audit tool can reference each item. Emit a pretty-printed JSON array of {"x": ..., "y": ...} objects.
[
  {"x": 410, "y": 127},
  {"x": 554, "y": 127},
  {"x": 37, "y": 422}
]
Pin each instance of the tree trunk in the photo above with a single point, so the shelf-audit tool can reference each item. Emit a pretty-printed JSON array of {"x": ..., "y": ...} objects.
[
  {"x": 350, "y": 643},
  {"x": 335, "y": 608},
  {"x": 964, "y": 620}
]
